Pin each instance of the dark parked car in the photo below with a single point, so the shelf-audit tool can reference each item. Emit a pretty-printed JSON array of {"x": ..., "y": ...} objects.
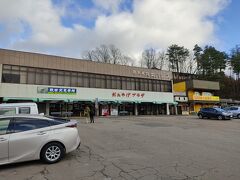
[{"x": 216, "y": 113}]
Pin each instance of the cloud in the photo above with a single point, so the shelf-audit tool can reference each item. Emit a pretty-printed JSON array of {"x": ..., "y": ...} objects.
[{"x": 151, "y": 23}]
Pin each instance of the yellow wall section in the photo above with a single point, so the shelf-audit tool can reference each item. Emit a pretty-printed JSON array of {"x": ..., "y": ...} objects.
[
  {"x": 197, "y": 107},
  {"x": 190, "y": 95},
  {"x": 179, "y": 87}
]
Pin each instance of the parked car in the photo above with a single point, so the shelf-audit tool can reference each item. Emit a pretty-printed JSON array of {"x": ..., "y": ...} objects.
[
  {"x": 18, "y": 108},
  {"x": 235, "y": 110},
  {"x": 24, "y": 138},
  {"x": 217, "y": 113}
]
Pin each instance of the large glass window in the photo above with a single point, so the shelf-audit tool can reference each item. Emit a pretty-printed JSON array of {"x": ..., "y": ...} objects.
[
  {"x": 100, "y": 81},
  {"x": 67, "y": 79},
  {"x": 11, "y": 74},
  {"x": 39, "y": 76},
  {"x": 54, "y": 77},
  {"x": 46, "y": 78},
  {"x": 74, "y": 79},
  {"x": 124, "y": 83},
  {"x": 85, "y": 80},
  {"x": 60, "y": 78},
  {"x": 128, "y": 84},
  {"x": 23, "y": 75},
  {"x": 92, "y": 81},
  {"x": 29, "y": 75},
  {"x": 80, "y": 80},
  {"x": 109, "y": 82}
]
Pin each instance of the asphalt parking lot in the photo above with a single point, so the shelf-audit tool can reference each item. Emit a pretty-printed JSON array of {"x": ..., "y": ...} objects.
[{"x": 174, "y": 147}]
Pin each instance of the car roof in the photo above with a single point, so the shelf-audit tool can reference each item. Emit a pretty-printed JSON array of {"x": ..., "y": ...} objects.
[
  {"x": 17, "y": 104},
  {"x": 25, "y": 116}
]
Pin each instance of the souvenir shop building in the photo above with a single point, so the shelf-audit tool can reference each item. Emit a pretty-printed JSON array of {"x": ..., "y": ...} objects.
[{"x": 65, "y": 86}]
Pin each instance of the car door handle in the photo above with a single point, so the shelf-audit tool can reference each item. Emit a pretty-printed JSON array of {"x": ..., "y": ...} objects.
[
  {"x": 2, "y": 139},
  {"x": 41, "y": 133}
]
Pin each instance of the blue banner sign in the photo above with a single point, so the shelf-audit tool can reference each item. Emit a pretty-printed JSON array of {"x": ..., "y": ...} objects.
[{"x": 54, "y": 90}]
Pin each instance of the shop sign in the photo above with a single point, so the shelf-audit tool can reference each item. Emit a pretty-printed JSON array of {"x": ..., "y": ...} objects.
[
  {"x": 206, "y": 98},
  {"x": 54, "y": 90},
  {"x": 151, "y": 75},
  {"x": 128, "y": 94}
]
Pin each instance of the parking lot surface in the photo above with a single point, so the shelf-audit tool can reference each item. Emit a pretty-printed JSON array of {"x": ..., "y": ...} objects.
[{"x": 147, "y": 147}]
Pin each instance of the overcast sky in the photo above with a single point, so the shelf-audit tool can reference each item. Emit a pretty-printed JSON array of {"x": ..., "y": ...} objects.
[{"x": 69, "y": 27}]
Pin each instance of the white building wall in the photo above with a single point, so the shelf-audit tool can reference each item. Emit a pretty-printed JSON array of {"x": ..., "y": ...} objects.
[{"x": 8, "y": 90}]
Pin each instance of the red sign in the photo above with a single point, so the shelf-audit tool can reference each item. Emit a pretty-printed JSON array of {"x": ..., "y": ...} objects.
[{"x": 128, "y": 94}]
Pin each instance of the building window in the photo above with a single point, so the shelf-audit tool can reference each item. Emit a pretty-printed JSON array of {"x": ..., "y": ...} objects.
[
  {"x": 67, "y": 79},
  {"x": 80, "y": 80},
  {"x": 92, "y": 81},
  {"x": 85, "y": 80},
  {"x": 39, "y": 76},
  {"x": 74, "y": 79},
  {"x": 29, "y": 75},
  {"x": 54, "y": 77},
  {"x": 108, "y": 82},
  {"x": 23, "y": 75},
  {"x": 100, "y": 81},
  {"x": 137, "y": 84}
]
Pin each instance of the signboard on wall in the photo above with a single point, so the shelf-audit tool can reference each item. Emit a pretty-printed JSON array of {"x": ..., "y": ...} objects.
[
  {"x": 56, "y": 90},
  {"x": 206, "y": 98}
]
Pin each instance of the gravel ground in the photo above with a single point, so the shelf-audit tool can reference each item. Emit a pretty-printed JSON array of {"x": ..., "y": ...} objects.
[{"x": 144, "y": 147}]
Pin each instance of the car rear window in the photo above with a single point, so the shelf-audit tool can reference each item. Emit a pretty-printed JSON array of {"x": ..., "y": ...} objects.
[
  {"x": 57, "y": 120},
  {"x": 27, "y": 124},
  {"x": 24, "y": 110}
]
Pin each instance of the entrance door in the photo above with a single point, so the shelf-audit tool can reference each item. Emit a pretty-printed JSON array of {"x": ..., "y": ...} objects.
[{"x": 4, "y": 139}]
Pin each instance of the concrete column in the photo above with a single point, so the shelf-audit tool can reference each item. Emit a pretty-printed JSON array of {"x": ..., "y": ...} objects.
[
  {"x": 157, "y": 109},
  {"x": 0, "y": 73},
  {"x": 136, "y": 109},
  {"x": 168, "y": 110},
  {"x": 47, "y": 108},
  {"x": 96, "y": 107},
  {"x": 176, "y": 109}
]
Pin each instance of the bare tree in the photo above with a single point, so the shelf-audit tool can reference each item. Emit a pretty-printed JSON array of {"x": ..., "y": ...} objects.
[
  {"x": 108, "y": 54},
  {"x": 162, "y": 60},
  {"x": 115, "y": 55},
  {"x": 101, "y": 54},
  {"x": 149, "y": 58},
  {"x": 88, "y": 55},
  {"x": 153, "y": 59},
  {"x": 126, "y": 60}
]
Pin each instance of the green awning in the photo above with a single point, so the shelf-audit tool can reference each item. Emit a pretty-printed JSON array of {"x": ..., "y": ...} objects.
[
  {"x": 51, "y": 99},
  {"x": 120, "y": 102},
  {"x": 158, "y": 102},
  {"x": 20, "y": 98}
]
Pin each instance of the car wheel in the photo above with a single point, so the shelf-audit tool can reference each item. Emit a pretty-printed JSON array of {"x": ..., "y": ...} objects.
[
  {"x": 238, "y": 116},
  {"x": 220, "y": 117},
  {"x": 52, "y": 153},
  {"x": 200, "y": 116}
]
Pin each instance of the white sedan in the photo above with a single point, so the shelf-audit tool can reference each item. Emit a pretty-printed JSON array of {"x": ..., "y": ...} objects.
[{"x": 24, "y": 138}]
